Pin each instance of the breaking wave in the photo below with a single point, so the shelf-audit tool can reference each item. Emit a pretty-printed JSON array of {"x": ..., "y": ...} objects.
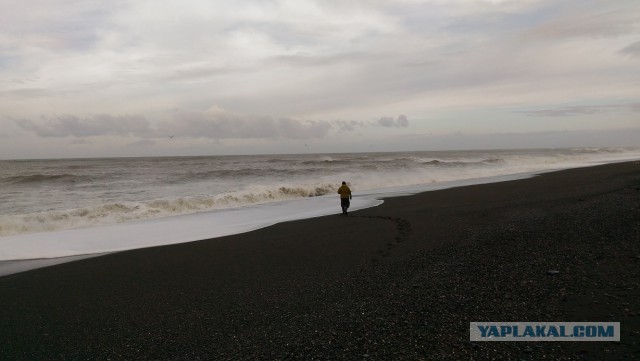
[
  {"x": 109, "y": 213},
  {"x": 442, "y": 163}
]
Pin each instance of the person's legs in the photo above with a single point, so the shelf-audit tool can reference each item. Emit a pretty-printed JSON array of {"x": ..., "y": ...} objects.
[{"x": 344, "y": 203}]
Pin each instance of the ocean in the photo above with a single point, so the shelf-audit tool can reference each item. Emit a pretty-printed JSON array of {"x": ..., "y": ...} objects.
[{"x": 67, "y": 207}]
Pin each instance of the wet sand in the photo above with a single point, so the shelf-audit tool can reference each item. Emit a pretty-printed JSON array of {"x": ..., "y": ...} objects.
[{"x": 398, "y": 281}]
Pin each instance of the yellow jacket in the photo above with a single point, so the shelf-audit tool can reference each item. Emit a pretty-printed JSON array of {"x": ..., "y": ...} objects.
[{"x": 344, "y": 191}]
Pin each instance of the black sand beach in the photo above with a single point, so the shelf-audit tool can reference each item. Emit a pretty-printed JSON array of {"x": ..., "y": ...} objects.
[{"x": 400, "y": 281}]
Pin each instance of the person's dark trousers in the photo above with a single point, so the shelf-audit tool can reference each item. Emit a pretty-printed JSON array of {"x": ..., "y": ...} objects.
[{"x": 344, "y": 202}]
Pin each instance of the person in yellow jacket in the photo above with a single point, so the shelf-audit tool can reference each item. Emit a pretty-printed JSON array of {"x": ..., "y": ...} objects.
[{"x": 345, "y": 197}]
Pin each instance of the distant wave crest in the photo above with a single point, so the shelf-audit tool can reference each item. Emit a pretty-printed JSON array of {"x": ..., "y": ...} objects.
[
  {"x": 43, "y": 179},
  {"x": 441, "y": 163}
]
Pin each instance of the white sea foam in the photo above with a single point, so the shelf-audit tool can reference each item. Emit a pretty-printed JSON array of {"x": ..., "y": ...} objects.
[{"x": 168, "y": 230}]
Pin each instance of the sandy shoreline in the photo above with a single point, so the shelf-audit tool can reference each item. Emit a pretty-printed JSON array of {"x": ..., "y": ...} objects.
[{"x": 398, "y": 281}]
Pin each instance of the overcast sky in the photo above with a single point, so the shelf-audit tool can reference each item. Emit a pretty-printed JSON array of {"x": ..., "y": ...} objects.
[{"x": 84, "y": 78}]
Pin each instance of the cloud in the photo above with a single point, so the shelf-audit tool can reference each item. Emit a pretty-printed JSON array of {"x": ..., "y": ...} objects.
[
  {"x": 194, "y": 72},
  {"x": 323, "y": 60},
  {"x": 215, "y": 123},
  {"x": 623, "y": 137},
  {"x": 388, "y": 122},
  {"x": 348, "y": 125},
  {"x": 310, "y": 69},
  {"x": 218, "y": 123},
  {"x": 24, "y": 93},
  {"x": 586, "y": 23},
  {"x": 632, "y": 50},
  {"x": 95, "y": 125},
  {"x": 569, "y": 111},
  {"x": 142, "y": 143}
]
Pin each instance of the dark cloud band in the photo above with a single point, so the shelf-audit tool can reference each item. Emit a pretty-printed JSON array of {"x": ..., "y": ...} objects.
[{"x": 214, "y": 124}]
